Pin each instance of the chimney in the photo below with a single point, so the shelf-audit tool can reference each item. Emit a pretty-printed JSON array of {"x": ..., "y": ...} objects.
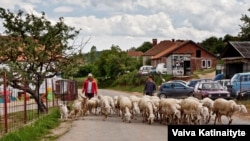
[{"x": 154, "y": 42}]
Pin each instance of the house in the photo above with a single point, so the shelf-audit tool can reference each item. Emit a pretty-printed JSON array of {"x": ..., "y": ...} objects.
[
  {"x": 134, "y": 54},
  {"x": 181, "y": 57},
  {"x": 236, "y": 58}
]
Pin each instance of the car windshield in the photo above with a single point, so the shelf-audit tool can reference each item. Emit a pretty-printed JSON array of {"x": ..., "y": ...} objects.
[{"x": 214, "y": 86}]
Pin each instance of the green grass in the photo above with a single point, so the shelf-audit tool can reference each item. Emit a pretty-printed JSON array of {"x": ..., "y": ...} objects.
[{"x": 35, "y": 131}]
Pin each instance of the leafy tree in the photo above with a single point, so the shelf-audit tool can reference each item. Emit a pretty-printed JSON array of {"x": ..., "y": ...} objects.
[
  {"x": 114, "y": 62},
  {"x": 244, "y": 34},
  {"x": 228, "y": 37},
  {"x": 35, "y": 49},
  {"x": 144, "y": 47},
  {"x": 213, "y": 44},
  {"x": 92, "y": 54}
]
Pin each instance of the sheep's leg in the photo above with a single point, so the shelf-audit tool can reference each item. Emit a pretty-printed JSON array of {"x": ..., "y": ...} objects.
[{"x": 230, "y": 120}]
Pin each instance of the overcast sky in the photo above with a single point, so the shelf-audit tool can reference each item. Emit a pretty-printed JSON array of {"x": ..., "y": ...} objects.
[{"x": 129, "y": 23}]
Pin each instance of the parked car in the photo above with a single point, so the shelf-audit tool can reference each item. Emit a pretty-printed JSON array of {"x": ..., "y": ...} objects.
[
  {"x": 153, "y": 70},
  {"x": 175, "y": 90},
  {"x": 240, "y": 83},
  {"x": 211, "y": 89},
  {"x": 161, "y": 68},
  {"x": 145, "y": 70},
  {"x": 193, "y": 82},
  {"x": 181, "y": 81},
  {"x": 224, "y": 83}
]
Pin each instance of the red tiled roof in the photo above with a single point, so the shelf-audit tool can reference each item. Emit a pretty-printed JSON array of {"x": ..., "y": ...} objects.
[
  {"x": 166, "y": 50},
  {"x": 170, "y": 49},
  {"x": 134, "y": 53},
  {"x": 161, "y": 47}
]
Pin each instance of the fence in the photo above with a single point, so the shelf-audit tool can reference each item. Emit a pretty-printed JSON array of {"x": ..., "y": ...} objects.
[{"x": 21, "y": 109}]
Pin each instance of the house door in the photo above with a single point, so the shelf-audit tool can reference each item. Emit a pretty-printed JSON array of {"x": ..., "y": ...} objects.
[{"x": 187, "y": 68}]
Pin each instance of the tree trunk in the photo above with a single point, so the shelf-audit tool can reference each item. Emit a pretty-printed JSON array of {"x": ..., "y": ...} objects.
[{"x": 41, "y": 106}]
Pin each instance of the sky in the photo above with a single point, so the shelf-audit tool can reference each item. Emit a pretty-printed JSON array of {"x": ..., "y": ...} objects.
[{"x": 130, "y": 23}]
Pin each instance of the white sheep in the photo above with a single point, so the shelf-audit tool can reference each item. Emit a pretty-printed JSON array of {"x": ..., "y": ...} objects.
[
  {"x": 125, "y": 105},
  {"x": 227, "y": 108},
  {"x": 79, "y": 108},
  {"x": 156, "y": 100},
  {"x": 147, "y": 107},
  {"x": 135, "y": 108},
  {"x": 105, "y": 106},
  {"x": 64, "y": 111},
  {"x": 209, "y": 103},
  {"x": 169, "y": 110},
  {"x": 93, "y": 104},
  {"x": 191, "y": 109}
]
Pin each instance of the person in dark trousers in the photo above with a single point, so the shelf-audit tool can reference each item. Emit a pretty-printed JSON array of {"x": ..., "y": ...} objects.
[
  {"x": 150, "y": 86},
  {"x": 89, "y": 87}
]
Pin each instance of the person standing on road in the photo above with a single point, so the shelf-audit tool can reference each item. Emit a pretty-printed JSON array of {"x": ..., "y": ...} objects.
[
  {"x": 150, "y": 86},
  {"x": 89, "y": 87}
]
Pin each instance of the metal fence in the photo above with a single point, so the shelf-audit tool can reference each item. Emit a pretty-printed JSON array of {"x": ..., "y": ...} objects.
[{"x": 19, "y": 110}]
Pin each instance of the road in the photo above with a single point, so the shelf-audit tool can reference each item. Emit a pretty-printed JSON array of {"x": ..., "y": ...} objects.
[{"x": 93, "y": 128}]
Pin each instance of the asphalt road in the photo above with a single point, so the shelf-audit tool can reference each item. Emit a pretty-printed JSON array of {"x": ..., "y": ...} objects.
[{"x": 93, "y": 128}]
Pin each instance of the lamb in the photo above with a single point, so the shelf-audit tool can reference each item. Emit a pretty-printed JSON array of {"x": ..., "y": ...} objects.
[
  {"x": 227, "y": 108},
  {"x": 125, "y": 105},
  {"x": 64, "y": 111}
]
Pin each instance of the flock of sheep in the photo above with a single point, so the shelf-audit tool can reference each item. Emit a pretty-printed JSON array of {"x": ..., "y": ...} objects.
[{"x": 189, "y": 110}]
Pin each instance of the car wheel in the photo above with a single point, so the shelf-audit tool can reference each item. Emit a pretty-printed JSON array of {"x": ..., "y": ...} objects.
[{"x": 162, "y": 96}]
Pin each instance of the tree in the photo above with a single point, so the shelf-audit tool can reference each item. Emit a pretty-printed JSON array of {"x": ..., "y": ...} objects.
[
  {"x": 92, "y": 54},
  {"x": 144, "y": 47},
  {"x": 114, "y": 62},
  {"x": 244, "y": 34},
  {"x": 35, "y": 49},
  {"x": 213, "y": 44}
]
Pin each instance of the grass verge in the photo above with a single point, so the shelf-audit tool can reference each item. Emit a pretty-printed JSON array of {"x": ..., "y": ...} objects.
[{"x": 35, "y": 131}]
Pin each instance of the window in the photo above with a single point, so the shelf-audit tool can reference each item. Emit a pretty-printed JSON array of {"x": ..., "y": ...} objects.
[
  {"x": 203, "y": 64},
  {"x": 209, "y": 63},
  {"x": 198, "y": 53},
  {"x": 206, "y": 63}
]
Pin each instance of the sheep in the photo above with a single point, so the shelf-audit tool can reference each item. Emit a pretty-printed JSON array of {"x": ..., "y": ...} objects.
[
  {"x": 111, "y": 103},
  {"x": 156, "y": 100},
  {"x": 64, "y": 111},
  {"x": 191, "y": 109},
  {"x": 79, "y": 108},
  {"x": 169, "y": 110},
  {"x": 105, "y": 106},
  {"x": 135, "y": 107},
  {"x": 228, "y": 108},
  {"x": 207, "y": 102},
  {"x": 147, "y": 107},
  {"x": 125, "y": 105},
  {"x": 93, "y": 104}
]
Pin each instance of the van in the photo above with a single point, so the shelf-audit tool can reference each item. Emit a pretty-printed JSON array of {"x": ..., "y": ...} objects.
[
  {"x": 145, "y": 70},
  {"x": 240, "y": 82},
  {"x": 161, "y": 68}
]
